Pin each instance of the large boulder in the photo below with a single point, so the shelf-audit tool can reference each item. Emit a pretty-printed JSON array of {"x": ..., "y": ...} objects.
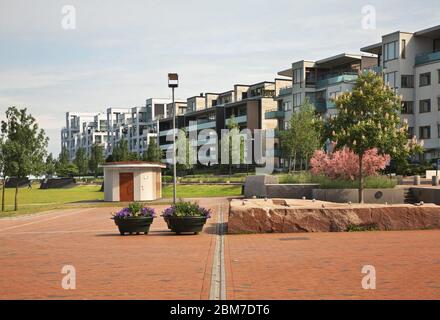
[{"x": 268, "y": 216}]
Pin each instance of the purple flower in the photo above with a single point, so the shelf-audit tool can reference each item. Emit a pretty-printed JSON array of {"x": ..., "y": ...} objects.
[
  {"x": 124, "y": 213},
  {"x": 169, "y": 212},
  {"x": 205, "y": 212},
  {"x": 148, "y": 212}
]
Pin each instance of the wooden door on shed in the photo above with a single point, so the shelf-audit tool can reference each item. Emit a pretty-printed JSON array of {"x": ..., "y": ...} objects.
[{"x": 126, "y": 186}]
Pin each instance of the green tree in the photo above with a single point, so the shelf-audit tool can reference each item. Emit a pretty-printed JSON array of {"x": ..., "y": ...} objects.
[
  {"x": 63, "y": 167},
  {"x": 154, "y": 152},
  {"x": 50, "y": 165},
  {"x": 120, "y": 151},
  {"x": 369, "y": 117},
  {"x": 3, "y": 173},
  {"x": 185, "y": 157},
  {"x": 25, "y": 146},
  {"x": 302, "y": 137},
  {"x": 96, "y": 159},
  {"x": 81, "y": 161}
]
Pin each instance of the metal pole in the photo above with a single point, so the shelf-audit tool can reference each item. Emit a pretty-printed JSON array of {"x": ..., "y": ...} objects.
[{"x": 174, "y": 149}]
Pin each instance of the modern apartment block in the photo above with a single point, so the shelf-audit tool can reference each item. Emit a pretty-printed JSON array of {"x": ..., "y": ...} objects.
[
  {"x": 410, "y": 63},
  {"x": 83, "y": 130}
]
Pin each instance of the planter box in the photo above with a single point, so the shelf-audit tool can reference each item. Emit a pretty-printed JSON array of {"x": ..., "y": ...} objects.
[
  {"x": 391, "y": 196},
  {"x": 291, "y": 191},
  {"x": 186, "y": 224},
  {"x": 135, "y": 225}
]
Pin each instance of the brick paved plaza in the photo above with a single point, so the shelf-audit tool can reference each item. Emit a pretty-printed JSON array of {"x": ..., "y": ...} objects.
[{"x": 161, "y": 265}]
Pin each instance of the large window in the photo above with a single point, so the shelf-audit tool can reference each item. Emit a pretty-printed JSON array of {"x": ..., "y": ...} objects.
[
  {"x": 410, "y": 132},
  {"x": 390, "y": 51},
  {"x": 425, "y": 132},
  {"x": 407, "y": 81},
  {"x": 403, "y": 48},
  {"x": 297, "y": 100},
  {"x": 287, "y": 106},
  {"x": 297, "y": 76},
  {"x": 390, "y": 79},
  {"x": 425, "y": 79},
  {"x": 425, "y": 106},
  {"x": 408, "y": 107}
]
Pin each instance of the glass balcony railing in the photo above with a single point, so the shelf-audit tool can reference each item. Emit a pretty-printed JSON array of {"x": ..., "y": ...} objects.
[
  {"x": 427, "y": 58},
  {"x": 285, "y": 91},
  {"x": 336, "y": 79},
  {"x": 274, "y": 114},
  {"x": 240, "y": 119}
]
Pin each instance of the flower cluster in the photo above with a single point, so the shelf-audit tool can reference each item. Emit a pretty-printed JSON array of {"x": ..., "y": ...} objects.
[
  {"x": 344, "y": 164},
  {"x": 135, "y": 210},
  {"x": 184, "y": 209}
]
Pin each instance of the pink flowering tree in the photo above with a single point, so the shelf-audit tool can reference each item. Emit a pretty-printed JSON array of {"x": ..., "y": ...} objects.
[{"x": 344, "y": 163}]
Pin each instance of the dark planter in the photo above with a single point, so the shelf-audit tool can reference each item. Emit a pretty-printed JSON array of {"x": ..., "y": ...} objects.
[
  {"x": 186, "y": 224},
  {"x": 134, "y": 225},
  {"x": 167, "y": 220}
]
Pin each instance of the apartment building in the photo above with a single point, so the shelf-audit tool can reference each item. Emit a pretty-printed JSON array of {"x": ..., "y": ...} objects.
[
  {"x": 83, "y": 130},
  {"x": 410, "y": 63}
]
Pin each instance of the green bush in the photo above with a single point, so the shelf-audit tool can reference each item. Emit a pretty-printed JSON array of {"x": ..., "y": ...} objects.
[
  {"x": 372, "y": 182},
  {"x": 298, "y": 177}
]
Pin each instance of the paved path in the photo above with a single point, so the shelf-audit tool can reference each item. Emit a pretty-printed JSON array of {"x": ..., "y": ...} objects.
[{"x": 162, "y": 265}]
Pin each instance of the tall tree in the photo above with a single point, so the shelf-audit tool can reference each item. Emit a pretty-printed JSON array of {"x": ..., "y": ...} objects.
[
  {"x": 369, "y": 117},
  {"x": 63, "y": 167},
  {"x": 81, "y": 161},
  {"x": 25, "y": 146},
  {"x": 120, "y": 151},
  {"x": 302, "y": 137},
  {"x": 154, "y": 152},
  {"x": 3, "y": 173},
  {"x": 96, "y": 159},
  {"x": 50, "y": 165}
]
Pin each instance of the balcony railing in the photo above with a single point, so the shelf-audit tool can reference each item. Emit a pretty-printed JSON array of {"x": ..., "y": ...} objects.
[
  {"x": 285, "y": 91},
  {"x": 427, "y": 57},
  {"x": 274, "y": 114},
  {"x": 240, "y": 119},
  {"x": 336, "y": 79}
]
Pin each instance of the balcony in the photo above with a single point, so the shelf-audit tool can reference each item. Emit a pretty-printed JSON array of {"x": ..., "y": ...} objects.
[
  {"x": 337, "y": 79},
  {"x": 274, "y": 114},
  {"x": 427, "y": 58},
  {"x": 285, "y": 91},
  {"x": 240, "y": 119}
]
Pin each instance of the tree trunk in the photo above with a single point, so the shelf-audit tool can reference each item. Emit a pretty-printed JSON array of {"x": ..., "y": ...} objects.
[
  {"x": 289, "y": 165},
  {"x": 3, "y": 194},
  {"x": 294, "y": 163},
  {"x": 361, "y": 180},
  {"x": 16, "y": 196}
]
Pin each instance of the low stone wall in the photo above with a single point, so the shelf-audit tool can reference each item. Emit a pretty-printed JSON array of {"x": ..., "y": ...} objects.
[
  {"x": 351, "y": 195},
  {"x": 256, "y": 185},
  {"x": 290, "y": 191},
  {"x": 284, "y": 216},
  {"x": 427, "y": 195}
]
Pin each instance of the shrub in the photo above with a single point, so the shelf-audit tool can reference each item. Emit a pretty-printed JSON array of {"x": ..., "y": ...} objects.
[
  {"x": 344, "y": 164},
  {"x": 372, "y": 182}
]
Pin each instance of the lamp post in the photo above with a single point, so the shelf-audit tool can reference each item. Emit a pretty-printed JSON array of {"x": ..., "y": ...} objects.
[{"x": 173, "y": 82}]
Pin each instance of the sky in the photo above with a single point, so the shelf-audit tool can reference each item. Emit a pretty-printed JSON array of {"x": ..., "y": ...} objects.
[{"x": 120, "y": 52}]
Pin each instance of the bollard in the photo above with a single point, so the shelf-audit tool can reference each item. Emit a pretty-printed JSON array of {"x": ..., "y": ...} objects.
[
  {"x": 435, "y": 180},
  {"x": 416, "y": 180}
]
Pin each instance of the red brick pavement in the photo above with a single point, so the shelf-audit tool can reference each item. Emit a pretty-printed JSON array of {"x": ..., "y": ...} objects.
[
  {"x": 162, "y": 265},
  {"x": 328, "y": 265}
]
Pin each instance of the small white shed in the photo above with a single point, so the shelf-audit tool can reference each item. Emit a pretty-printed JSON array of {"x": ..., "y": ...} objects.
[{"x": 132, "y": 181}]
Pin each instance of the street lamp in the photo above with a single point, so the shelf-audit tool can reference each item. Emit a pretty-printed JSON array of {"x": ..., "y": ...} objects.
[{"x": 173, "y": 82}]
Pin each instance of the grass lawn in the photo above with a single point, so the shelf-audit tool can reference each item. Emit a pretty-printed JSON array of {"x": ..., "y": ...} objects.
[
  {"x": 199, "y": 191},
  {"x": 38, "y": 200}
]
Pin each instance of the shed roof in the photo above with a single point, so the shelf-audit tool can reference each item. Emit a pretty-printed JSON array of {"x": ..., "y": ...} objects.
[{"x": 133, "y": 164}]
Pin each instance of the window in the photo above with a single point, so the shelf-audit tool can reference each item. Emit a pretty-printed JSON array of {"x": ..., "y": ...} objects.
[
  {"x": 297, "y": 100},
  {"x": 407, "y": 81},
  {"x": 436, "y": 45},
  {"x": 438, "y": 75},
  {"x": 408, "y": 107},
  {"x": 403, "y": 48},
  {"x": 425, "y": 106},
  {"x": 390, "y": 79},
  {"x": 334, "y": 95},
  {"x": 438, "y": 130},
  {"x": 438, "y": 103},
  {"x": 425, "y": 132},
  {"x": 390, "y": 51},
  {"x": 410, "y": 132},
  {"x": 287, "y": 106},
  {"x": 297, "y": 76},
  {"x": 425, "y": 79}
]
